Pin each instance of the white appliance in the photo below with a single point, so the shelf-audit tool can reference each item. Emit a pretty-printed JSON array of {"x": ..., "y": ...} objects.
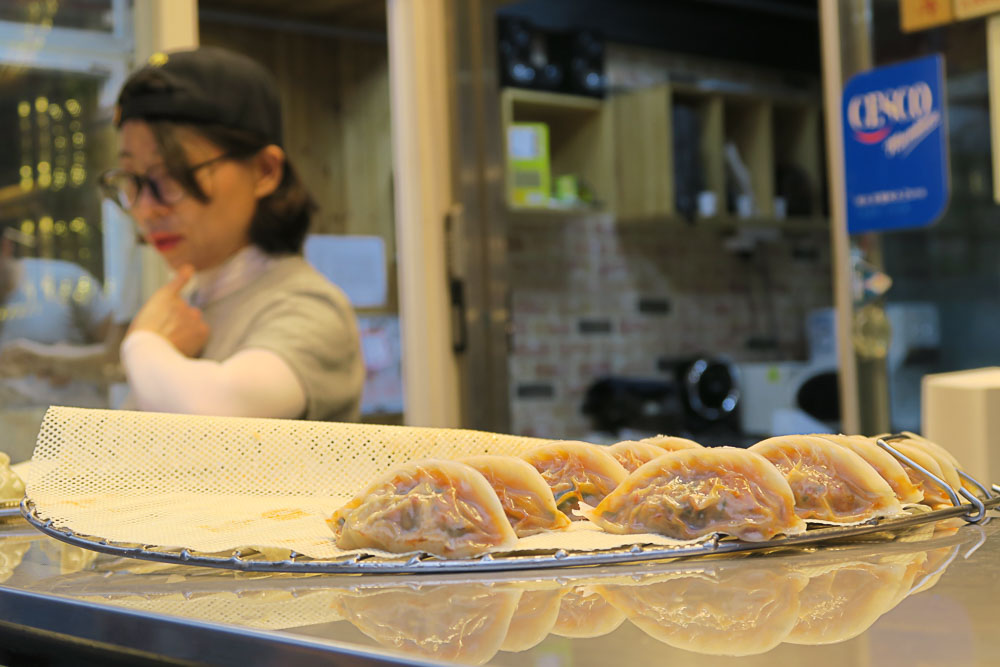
[
  {"x": 774, "y": 394},
  {"x": 784, "y": 397}
]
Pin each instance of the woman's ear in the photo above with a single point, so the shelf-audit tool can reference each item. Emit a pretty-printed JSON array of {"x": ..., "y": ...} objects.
[{"x": 269, "y": 167}]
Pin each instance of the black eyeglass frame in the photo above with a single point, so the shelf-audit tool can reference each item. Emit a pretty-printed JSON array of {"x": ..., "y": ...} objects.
[{"x": 141, "y": 181}]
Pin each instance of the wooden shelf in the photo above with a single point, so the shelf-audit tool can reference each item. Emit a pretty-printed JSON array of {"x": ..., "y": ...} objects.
[
  {"x": 580, "y": 140},
  {"x": 798, "y": 158},
  {"x": 795, "y": 224},
  {"x": 660, "y": 167},
  {"x": 637, "y": 152},
  {"x": 552, "y": 215},
  {"x": 530, "y": 101},
  {"x": 748, "y": 126}
]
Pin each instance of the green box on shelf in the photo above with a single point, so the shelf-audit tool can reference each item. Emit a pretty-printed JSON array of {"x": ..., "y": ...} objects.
[{"x": 529, "y": 173}]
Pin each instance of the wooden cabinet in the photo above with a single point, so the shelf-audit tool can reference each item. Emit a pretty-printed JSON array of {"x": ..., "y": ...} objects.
[
  {"x": 652, "y": 153},
  {"x": 672, "y": 142},
  {"x": 580, "y": 141}
]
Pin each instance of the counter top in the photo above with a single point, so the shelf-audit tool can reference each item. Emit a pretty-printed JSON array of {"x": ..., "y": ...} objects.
[{"x": 925, "y": 597}]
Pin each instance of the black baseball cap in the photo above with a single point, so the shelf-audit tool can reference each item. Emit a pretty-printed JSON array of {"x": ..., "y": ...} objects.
[{"x": 208, "y": 85}]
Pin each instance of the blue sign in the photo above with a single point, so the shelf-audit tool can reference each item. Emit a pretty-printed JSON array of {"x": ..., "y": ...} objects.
[{"x": 895, "y": 146}]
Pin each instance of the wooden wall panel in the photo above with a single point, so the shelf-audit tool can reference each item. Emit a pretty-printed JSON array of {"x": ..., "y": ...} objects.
[{"x": 335, "y": 98}]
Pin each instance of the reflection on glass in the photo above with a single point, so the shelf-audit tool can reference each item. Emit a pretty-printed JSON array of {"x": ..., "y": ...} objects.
[
  {"x": 11, "y": 486},
  {"x": 584, "y": 612},
  {"x": 463, "y": 623},
  {"x": 720, "y": 607},
  {"x": 742, "y": 611},
  {"x": 942, "y": 306},
  {"x": 842, "y": 601},
  {"x": 534, "y": 618},
  {"x": 12, "y": 550},
  {"x": 80, "y": 14},
  {"x": 56, "y": 326}
]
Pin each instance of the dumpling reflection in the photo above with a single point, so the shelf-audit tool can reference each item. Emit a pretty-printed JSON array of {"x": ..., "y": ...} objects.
[
  {"x": 12, "y": 550},
  {"x": 742, "y": 611},
  {"x": 932, "y": 569},
  {"x": 457, "y": 623},
  {"x": 533, "y": 619},
  {"x": 584, "y": 612},
  {"x": 842, "y": 601},
  {"x": 71, "y": 558}
]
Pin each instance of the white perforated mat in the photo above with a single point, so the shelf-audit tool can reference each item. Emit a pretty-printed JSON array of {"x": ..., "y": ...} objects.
[{"x": 215, "y": 484}]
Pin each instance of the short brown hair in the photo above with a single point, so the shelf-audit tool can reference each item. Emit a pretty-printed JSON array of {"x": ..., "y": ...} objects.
[{"x": 281, "y": 219}]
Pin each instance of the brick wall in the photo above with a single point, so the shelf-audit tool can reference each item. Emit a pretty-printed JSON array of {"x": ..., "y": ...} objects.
[{"x": 591, "y": 298}]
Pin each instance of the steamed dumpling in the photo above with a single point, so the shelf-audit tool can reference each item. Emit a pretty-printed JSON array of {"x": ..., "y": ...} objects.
[
  {"x": 671, "y": 443},
  {"x": 527, "y": 500},
  {"x": 691, "y": 493},
  {"x": 934, "y": 496},
  {"x": 439, "y": 507},
  {"x": 831, "y": 484},
  {"x": 633, "y": 453},
  {"x": 943, "y": 455},
  {"x": 885, "y": 464},
  {"x": 576, "y": 471},
  {"x": 932, "y": 448},
  {"x": 946, "y": 461}
]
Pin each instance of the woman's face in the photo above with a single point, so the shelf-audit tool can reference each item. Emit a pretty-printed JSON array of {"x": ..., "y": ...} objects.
[{"x": 189, "y": 231}]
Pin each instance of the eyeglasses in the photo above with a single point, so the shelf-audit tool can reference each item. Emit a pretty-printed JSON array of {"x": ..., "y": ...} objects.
[{"x": 124, "y": 187}]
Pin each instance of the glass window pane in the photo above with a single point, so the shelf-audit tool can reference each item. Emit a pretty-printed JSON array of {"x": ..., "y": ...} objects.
[
  {"x": 55, "y": 314},
  {"x": 942, "y": 305},
  {"x": 79, "y": 14}
]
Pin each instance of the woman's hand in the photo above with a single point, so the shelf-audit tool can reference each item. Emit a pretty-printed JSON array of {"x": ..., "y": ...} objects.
[{"x": 168, "y": 315}]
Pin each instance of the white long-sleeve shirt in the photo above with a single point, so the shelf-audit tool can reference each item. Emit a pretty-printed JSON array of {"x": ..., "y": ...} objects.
[{"x": 251, "y": 383}]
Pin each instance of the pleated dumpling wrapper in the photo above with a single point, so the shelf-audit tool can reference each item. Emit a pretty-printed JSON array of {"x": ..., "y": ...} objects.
[
  {"x": 439, "y": 507},
  {"x": 633, "y": 453},
  {"x": 692, "y": 493},
  {"x": 932, "y": 448},
  {"x": 941, "y": 454},
  {"x": 946, "y": 460},
  {"x": 885, "y": 464},
  {"x": 671, "y": 443},
  {"x": 526, "y": 497},
  {"x": 576, "y": 471},
  {"x": 831, "y": 483},
  {"x": 934, "y": 496}
]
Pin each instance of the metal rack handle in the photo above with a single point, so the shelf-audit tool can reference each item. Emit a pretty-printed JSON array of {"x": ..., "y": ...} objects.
[{"x": 980, "y": 507}]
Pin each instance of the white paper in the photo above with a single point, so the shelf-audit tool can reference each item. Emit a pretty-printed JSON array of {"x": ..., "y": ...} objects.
[{"x": 356, "y": 264}]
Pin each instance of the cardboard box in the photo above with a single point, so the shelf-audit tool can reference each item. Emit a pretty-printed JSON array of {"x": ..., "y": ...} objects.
[
  {"x": 529, "y": 175},
  {"x": 961, "y": 412}
]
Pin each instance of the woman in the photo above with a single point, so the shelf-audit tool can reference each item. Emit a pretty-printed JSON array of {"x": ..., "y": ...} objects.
[{"x": 246, "y": 327}]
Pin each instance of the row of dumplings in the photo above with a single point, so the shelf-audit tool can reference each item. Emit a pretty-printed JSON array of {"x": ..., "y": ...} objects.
[{"x": 664, "y": 485}]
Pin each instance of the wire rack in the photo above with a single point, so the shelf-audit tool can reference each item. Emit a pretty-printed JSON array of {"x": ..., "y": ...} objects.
[
  {"x": 973, "y": 510},
  {"x": 114, "y": 578}
]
